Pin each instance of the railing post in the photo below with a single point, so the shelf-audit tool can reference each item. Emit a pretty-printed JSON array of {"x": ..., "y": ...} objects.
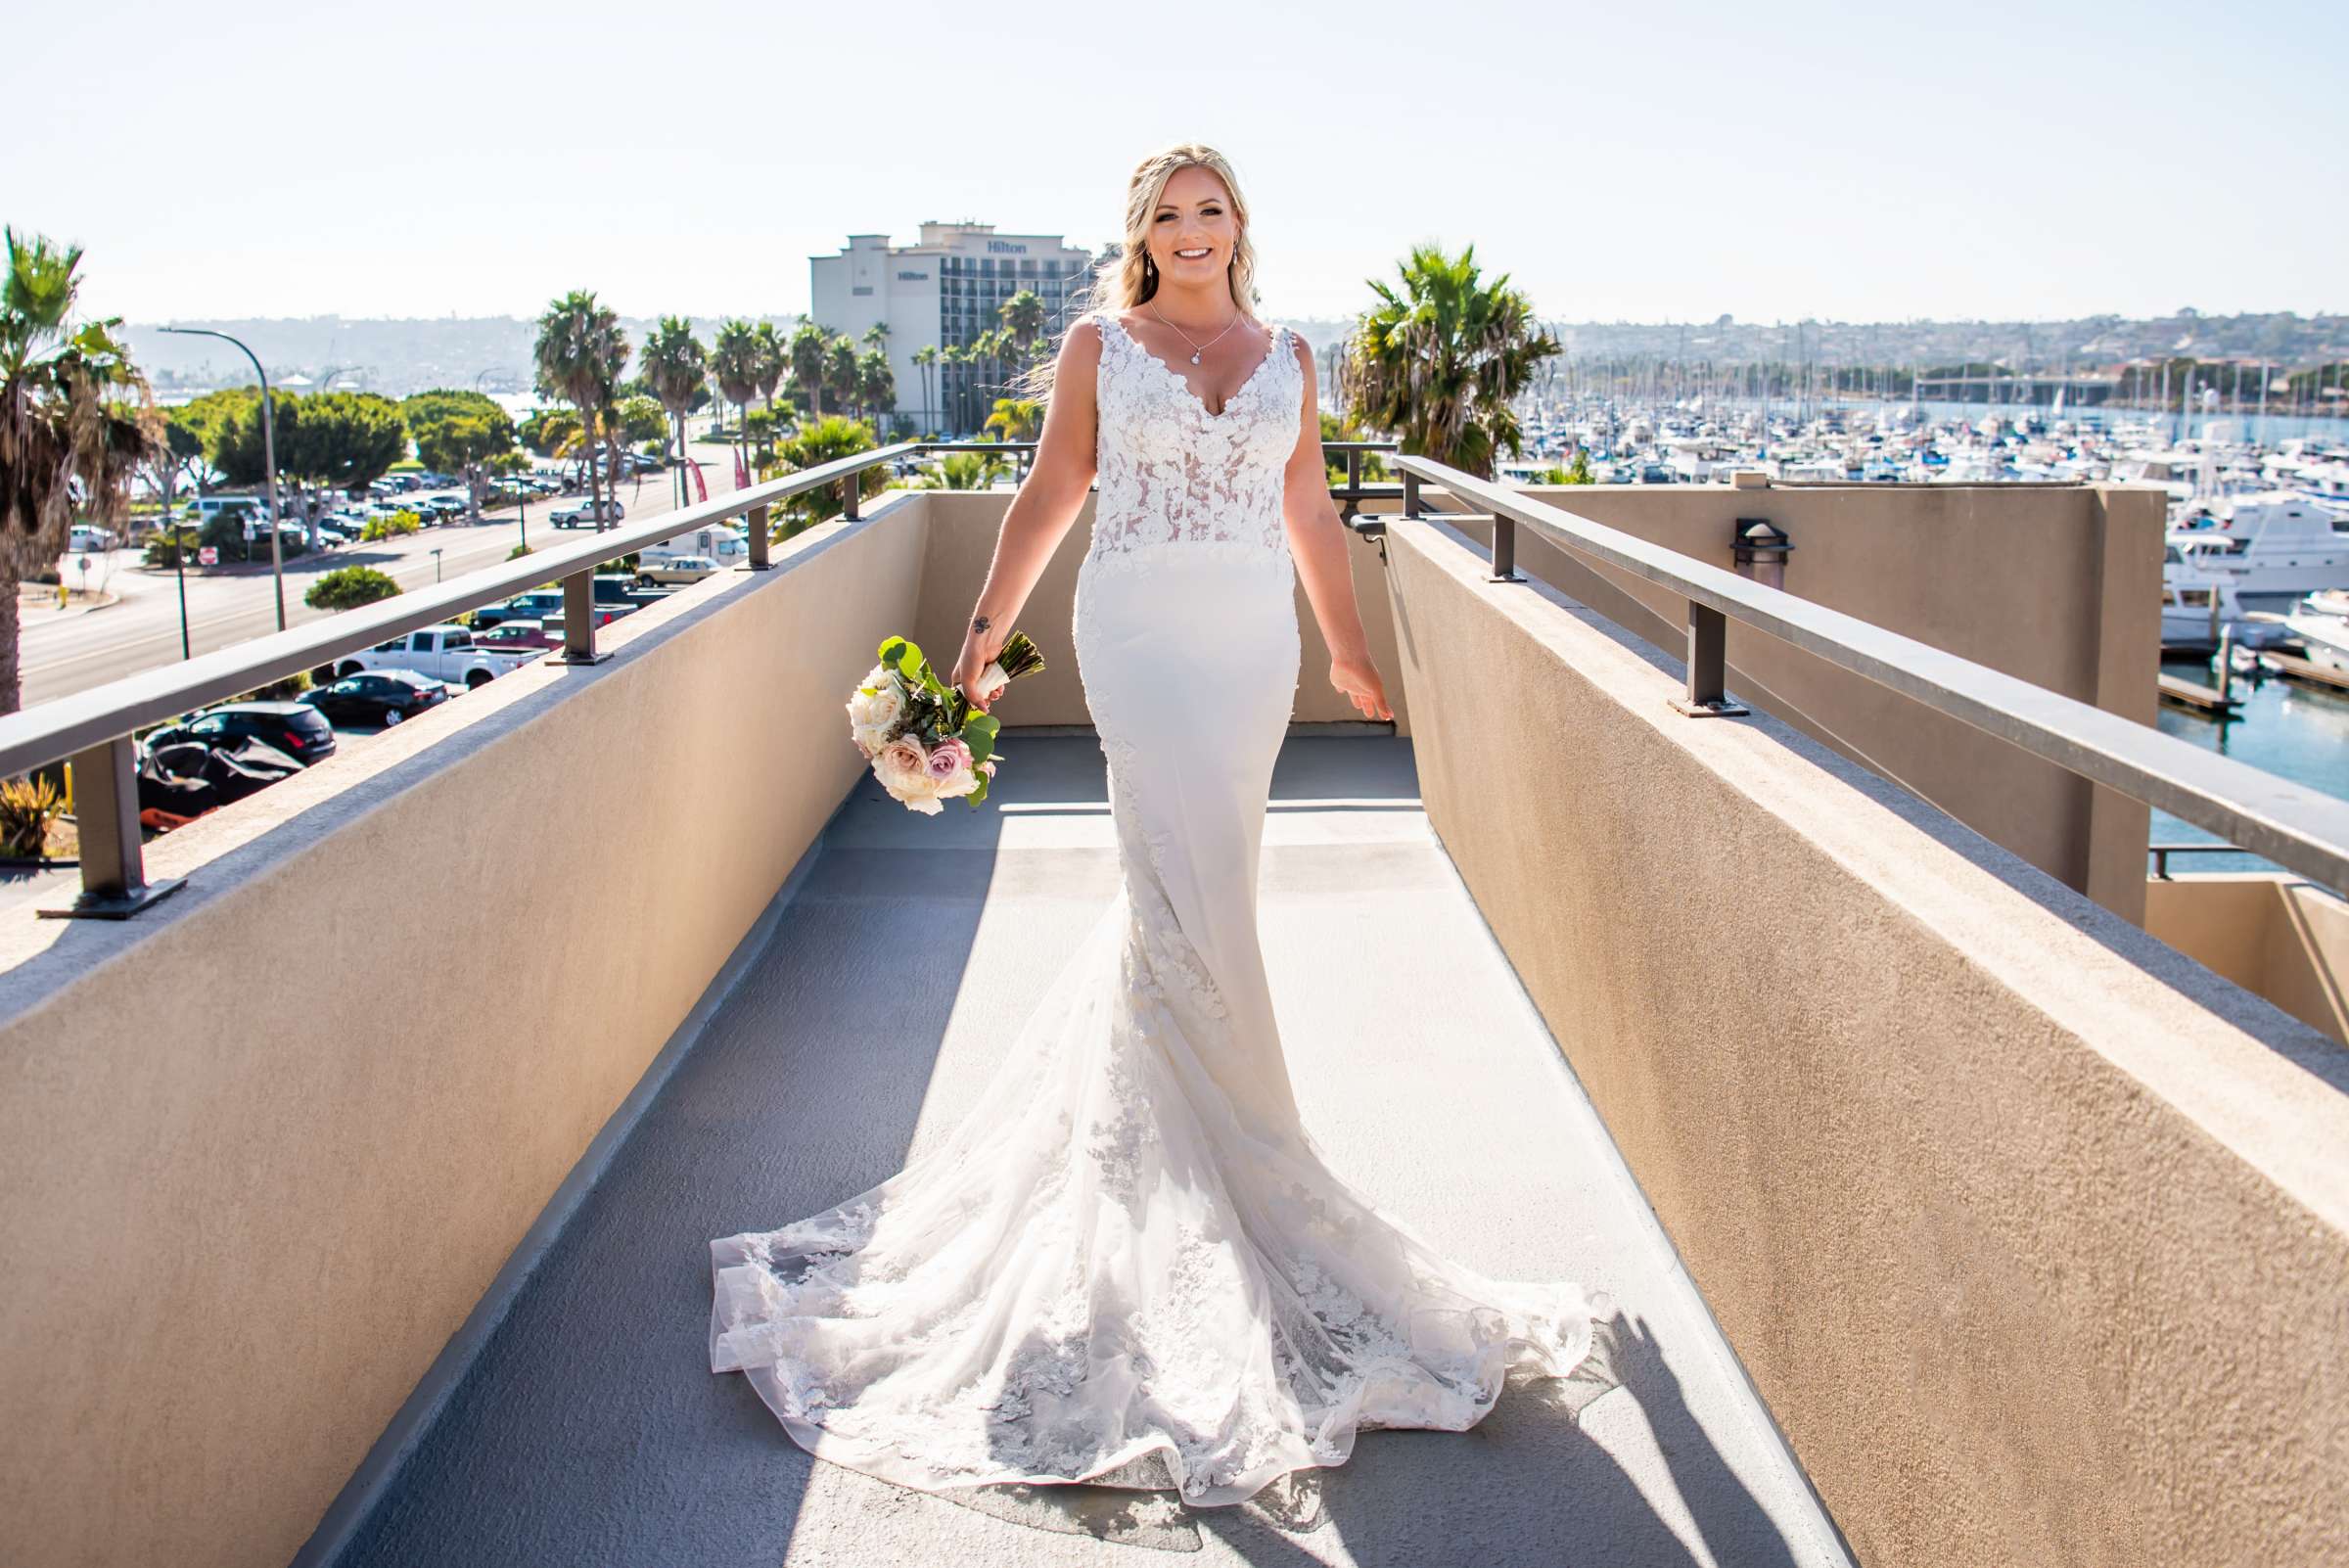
[
  {"x": 852, "y": 486},
  {"x": 1411, "y": 495},
  {"x": 106, "y": 813},
  {"x": 578, "y": 620},
  {"x": 1505, "y": 549},
  {"x": 1706, "y": 696},
  {"x": 1354, "y": 486},
  {"x": 759, "y": 527}
]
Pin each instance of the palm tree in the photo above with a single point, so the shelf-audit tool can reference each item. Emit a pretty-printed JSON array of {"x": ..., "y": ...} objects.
[
  {"x": 876, "y": 381},
  {"x": 840, "y": 372},
  {"x": 676, "y": 368},
  {"x": 1024, "y": 315},
  {"x": 771, "y": 360},
  {"x": 734, "y": 362},
  {"x": 1438, "y": 362},
  {"x": 876, "y": 336},
  {"x": 581, "y": 354},
  {"x": 810, "y": 355},
  {"x": 68, "y": 439},
  {"x": 955, "y": 356},
  {"x": 1016, "y": 419},
  {"x": 924, "y": 359}
]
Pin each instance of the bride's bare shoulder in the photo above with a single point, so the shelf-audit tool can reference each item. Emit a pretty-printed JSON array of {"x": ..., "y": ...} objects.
[{"x": 1081, "y": 344}]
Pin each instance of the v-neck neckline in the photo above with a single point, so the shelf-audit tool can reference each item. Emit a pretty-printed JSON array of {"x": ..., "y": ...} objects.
[{"x": 1271, "y": 341}]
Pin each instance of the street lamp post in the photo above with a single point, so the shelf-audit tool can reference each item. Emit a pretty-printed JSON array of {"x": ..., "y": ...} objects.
[{"x": 277, "y": 566}]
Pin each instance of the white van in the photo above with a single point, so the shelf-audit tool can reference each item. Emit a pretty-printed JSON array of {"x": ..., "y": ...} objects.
[
  {"x": 726, "y": 545},
  {"x": 204, "y": 507}
]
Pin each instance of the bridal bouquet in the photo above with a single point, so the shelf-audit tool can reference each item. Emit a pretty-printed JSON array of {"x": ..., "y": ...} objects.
[{"x": 925, "y": 743}]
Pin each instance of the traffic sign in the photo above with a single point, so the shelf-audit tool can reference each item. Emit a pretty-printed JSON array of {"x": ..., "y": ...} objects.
[
  {"x": 83, "y": 563},
  {"x": 208, "y": 555}
]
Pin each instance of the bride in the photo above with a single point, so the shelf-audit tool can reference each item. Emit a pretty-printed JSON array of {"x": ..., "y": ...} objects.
[{"x": 1130, "y": 1265}]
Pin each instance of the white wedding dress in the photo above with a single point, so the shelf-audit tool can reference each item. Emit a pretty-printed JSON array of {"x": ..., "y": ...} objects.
[{"x": 1130, "y": 1265}]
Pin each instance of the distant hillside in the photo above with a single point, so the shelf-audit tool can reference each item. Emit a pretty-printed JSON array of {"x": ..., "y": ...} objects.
[{"x": 493, "y": 352}]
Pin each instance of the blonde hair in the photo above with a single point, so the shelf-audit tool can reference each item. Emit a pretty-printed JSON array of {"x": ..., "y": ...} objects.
[{"x": 1134, "y": 276}]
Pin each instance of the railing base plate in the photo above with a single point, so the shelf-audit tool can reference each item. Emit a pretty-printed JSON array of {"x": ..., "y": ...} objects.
[
  {"x": 580, "y": 659},
  {"x": 1718, "y": 710},
  {"x": 116, "y": 906},
  {"x": 1504, "y": 577}
]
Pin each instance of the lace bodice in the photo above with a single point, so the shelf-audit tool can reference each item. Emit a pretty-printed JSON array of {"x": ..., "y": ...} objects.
[{"x": 1173, "y": 474}]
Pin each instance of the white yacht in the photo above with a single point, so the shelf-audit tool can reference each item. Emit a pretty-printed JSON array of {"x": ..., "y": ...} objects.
[
  {"x": 2277, "y": 546},
  {"x": 2321, "y": 623},
  {"x": 2196, "y": 605}
]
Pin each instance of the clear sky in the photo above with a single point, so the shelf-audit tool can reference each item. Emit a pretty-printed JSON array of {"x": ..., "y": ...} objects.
[{"x": 1663, "y": 160}]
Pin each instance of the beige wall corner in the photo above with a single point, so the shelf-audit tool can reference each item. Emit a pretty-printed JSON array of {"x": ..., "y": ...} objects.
[{"x": 2030, "y": 1230}]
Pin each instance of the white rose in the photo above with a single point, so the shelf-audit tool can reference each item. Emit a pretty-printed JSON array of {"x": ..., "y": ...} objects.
[{"x": 875, "y": 709}]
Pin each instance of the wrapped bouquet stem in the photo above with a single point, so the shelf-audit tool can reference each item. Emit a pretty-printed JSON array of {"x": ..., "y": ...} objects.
[{"x": 925, "y": 742}]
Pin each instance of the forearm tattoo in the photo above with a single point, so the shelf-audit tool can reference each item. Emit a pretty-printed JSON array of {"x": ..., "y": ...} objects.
[{"x": 979, "y": 623}]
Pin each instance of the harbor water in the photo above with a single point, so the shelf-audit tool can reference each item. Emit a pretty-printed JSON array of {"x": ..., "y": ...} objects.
[{"x": 2293, "y": 730}]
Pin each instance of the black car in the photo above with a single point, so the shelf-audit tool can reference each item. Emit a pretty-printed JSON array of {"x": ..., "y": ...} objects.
[
  {"x": 295, "y": 728},
  {"x": 376, "y": 697}
]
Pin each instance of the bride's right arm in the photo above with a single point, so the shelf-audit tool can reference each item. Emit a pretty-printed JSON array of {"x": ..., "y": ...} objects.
[{"x": 1045, "y": 506}]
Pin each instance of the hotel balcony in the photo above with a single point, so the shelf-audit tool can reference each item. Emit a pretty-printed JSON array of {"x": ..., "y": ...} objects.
[{"x": 1963, "y": 1205}]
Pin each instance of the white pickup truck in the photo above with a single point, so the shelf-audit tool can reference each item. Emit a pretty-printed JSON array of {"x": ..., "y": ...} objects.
[{"x": 445, "y": 652}]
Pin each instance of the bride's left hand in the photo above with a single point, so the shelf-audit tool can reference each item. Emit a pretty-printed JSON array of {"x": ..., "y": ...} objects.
[{"x": 1358, "y": 679}]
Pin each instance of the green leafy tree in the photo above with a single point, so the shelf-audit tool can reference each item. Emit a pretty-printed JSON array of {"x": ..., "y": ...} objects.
[
  {"x": 76, "y": 422},
  {"x": 677, "y": 371},
  {"x": 1438, "y": 359},
  {"x": 348, "y": 587},
  {"x": 643, "y": 418},
  {"x": 825, "y": 440},
  {"x": 461, "y": 430},
  {"x": 581, "y": 355},
  {"x": 550, "y": 431},
  {"x": 178, "y": 455},
  {"x": 340, "y": 440}
]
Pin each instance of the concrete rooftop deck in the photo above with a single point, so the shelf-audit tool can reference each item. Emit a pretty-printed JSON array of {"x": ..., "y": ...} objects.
[{"x": 575, "y": 1421}]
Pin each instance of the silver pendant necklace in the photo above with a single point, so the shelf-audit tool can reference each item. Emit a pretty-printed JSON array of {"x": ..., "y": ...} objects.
[{"x": 1197, "y": 349}]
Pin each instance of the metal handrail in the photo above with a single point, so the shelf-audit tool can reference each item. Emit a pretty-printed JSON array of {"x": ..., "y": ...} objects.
[
  {"x": 2294, "y": 827},
  {"x": 94, "y": 728}
]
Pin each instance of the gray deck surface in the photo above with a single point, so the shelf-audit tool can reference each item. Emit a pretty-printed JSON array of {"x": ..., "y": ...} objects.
[{"x": 590, "y": 1430}]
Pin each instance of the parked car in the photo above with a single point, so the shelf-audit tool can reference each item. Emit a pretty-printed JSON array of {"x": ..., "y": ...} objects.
[
  {"x": 444, "y": 506},
  {"x": 586, "y": 512},
  {"x": 378, "y": 697},
  {"x": 544, "y": 605},
  {"x": 88, "y": 538},
  {"x": 444, "y": 652},
  {"x": 295, "y": 728},
  {"x": 680, "y": 569},
  {"x": 519, "y": 632},
  {"x": 620, "y": 588}
]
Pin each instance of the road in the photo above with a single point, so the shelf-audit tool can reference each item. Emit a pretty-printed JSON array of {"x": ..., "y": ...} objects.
[{"x": 70, "y": 651}]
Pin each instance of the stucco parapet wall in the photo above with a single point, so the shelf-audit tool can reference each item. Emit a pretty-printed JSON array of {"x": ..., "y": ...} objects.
[
  {"x": 2032, "y": 1231},
  {"x": 263, "y": 1149}
]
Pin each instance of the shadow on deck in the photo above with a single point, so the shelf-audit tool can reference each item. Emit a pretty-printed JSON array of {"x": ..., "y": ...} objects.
[{"x": 584, "y": 1427}]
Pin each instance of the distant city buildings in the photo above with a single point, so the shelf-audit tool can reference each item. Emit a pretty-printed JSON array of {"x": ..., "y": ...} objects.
[{"x": 943, "y": 289}]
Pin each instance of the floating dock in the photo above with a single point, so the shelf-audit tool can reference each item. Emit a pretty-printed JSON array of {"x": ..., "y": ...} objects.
[
  {"x": 2302, "y": 671},
  {"x": 2200, "y": 698}
]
